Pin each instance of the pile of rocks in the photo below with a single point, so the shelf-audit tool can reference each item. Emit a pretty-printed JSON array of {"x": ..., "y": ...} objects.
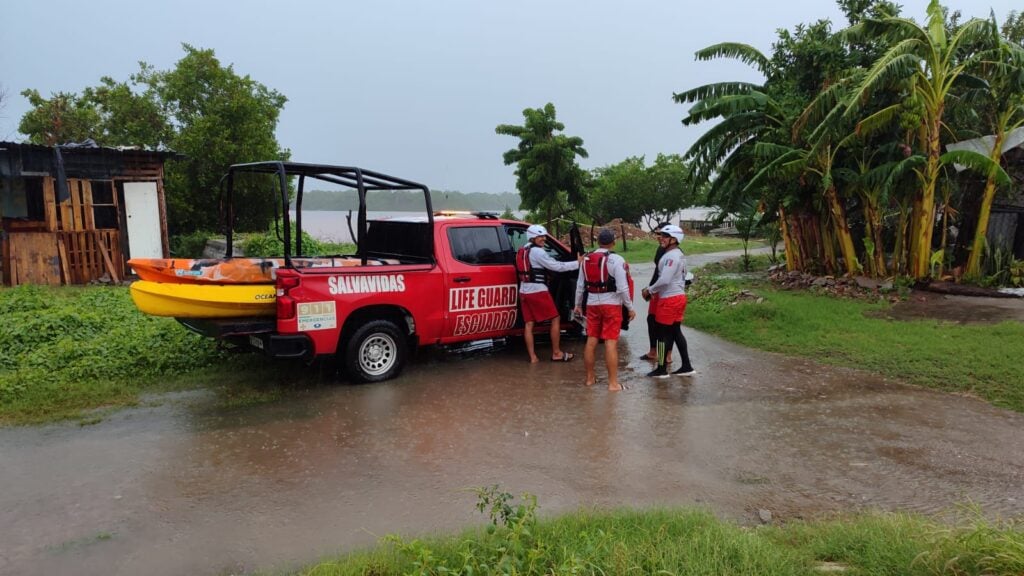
[
  {"x": 860, "y": 287},
  {"x": 632, "y": 232}
]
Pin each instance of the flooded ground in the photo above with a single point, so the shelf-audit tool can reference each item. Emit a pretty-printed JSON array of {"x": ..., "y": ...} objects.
[{"x": 183, "y": 488}]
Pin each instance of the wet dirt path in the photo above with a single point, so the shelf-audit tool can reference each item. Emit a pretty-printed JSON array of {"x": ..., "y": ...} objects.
[{"x": 183, "y": 488}]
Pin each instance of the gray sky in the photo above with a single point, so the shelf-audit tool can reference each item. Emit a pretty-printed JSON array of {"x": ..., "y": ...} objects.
[{"x": 415, "y": 88}]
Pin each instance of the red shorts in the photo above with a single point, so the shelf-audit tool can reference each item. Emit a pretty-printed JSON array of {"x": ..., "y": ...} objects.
[
  {"x": 538, "y": 307},
  {"x": 670, "y": 310},
  {"x": 604, "y": 321},
  {"x": 652, "y": 304}
]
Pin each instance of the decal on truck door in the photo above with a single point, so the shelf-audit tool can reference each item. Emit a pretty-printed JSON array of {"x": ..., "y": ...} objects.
[
  {"x": 483, "y": 308},
  {"x": 317, "y": 316}
]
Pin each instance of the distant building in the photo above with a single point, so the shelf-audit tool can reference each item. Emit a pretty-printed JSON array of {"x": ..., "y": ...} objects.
[
  {"x": 74, "y": 214},
  {"x": 701, "y": 219}
]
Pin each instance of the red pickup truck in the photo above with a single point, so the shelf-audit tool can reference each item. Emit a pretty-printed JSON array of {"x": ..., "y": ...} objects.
[{"x": 437, "y": 279}]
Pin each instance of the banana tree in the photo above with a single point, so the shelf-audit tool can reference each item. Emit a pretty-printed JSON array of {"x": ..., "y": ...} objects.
[
  {"x": 1001, "y": 97},
  {"x": 724, "y": 157},
  {"x": 932, "y": 61},
  {"x": 747, "y": 114}
]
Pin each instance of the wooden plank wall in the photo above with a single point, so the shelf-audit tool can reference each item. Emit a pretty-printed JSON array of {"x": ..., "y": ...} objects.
[
  {"x": 90, "y": 254},
  {"x": 73, "y": 251},
  {"x": 34, "y": 259}
]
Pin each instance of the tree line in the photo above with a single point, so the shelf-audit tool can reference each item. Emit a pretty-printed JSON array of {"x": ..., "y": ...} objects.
[
  {"x": 846, "y": 142},
  {"x": 201, "y": 109},
  {"x": 553, "y": 186},
  {"x": 214, "y": 117}
]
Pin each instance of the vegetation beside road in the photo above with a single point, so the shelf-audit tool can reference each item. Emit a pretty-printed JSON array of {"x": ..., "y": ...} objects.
[
  {"x": 642, "y": 251},
  {"x": 64, "y": 351},
  {"x": 691, "y": 542},
  {"x": 979, "y": 359}
]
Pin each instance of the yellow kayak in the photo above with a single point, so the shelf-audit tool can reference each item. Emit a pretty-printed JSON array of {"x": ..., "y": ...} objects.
[{"x": 204, "y": 300}]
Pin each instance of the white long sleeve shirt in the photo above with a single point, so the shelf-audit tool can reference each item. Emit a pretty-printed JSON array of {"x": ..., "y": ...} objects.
[{"x": 671, "y": 275}]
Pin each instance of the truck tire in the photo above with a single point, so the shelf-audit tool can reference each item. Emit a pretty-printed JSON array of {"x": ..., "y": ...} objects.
[{"x": 377, "y": 351}]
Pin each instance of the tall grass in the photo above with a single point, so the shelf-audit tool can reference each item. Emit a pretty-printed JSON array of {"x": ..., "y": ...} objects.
[{"x": 695, "y": 542}]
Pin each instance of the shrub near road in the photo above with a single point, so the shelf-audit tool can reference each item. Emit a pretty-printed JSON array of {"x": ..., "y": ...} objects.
[
  {"x": 691, "y": 542},
  {"x": 68, "y": 349}
]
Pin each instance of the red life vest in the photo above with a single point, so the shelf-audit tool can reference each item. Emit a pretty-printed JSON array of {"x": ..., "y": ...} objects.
[
  {"x": 525, "y": 270},
  {"x": 597, "y": 279}
]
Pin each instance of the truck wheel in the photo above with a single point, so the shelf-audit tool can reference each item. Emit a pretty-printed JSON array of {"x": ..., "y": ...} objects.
[{"x": 377, "y": 351}]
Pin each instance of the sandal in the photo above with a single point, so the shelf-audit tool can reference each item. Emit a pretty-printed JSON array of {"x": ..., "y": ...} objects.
[{"x": 566, "y": 357}]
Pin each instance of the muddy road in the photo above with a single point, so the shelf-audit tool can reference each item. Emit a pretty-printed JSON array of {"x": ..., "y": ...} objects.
[{"x": 184, "y": 488}]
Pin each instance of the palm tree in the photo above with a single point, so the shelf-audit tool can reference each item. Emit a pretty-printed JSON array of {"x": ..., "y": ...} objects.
[
  {"x": 724, "y": 157},
  {"x": 930, "y": 62},
  {"x": 747, "y": 115}
]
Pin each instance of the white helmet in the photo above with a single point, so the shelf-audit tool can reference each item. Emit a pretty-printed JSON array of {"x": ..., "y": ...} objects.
[
  {"x": 673, "y": 231},
  {"x": 535, "y": 231}
]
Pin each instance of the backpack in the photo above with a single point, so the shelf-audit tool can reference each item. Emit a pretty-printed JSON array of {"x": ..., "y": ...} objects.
[{"x": 596, "y": 278}]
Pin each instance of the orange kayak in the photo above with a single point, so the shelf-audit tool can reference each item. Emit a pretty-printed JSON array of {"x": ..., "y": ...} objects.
[{"x": 227, "y": 270}]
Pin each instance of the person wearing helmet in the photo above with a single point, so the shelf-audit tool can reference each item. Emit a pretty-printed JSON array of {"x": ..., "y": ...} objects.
[
  {"x": 532, "y": 265},
  {"x": 604, "y": 282},
  {"x": 670, "y": 288},
  {"x": 652, "y": 337}
]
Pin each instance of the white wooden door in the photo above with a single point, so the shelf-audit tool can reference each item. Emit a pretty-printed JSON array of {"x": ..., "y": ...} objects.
[{"x": 143, "y": 211}]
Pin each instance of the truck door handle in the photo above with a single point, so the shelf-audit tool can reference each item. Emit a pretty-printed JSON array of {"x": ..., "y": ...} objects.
[{"x": 461, "y": 279}]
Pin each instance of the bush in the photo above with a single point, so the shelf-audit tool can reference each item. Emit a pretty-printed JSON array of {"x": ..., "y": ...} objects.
[
  {"x": 67, "y": 349},
  {"x": 189, "y": 245},
  {"x": 267, "y": 244}
]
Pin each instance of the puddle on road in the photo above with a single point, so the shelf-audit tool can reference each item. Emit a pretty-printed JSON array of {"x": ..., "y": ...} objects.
[{"x": 187, "y": 488}]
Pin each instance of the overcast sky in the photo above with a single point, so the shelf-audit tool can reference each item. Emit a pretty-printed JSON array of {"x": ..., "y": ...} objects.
[{"x": 415, "y": 88}]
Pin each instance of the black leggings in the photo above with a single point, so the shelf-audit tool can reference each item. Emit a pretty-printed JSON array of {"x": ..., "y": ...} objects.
[
  {"x": 669, "y": 334},
  {"x": 652, "y": 331}
]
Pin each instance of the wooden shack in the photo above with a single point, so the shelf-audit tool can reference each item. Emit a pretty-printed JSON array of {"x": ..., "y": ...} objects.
[{"x": 75, "y": 214}]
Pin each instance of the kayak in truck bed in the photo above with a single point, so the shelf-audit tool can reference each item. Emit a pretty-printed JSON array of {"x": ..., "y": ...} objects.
[
  {"x": 178, "y": 300},
  {"x": 231, "y": 270}
]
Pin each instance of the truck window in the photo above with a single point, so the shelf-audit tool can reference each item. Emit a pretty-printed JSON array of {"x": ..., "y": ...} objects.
[
  {"x": 405, "y": 240},
  {"x": 517, "y": 237},
  {"x": 476, "y": 244}
]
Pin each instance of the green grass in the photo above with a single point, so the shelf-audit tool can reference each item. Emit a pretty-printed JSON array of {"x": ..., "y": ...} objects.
[
  {"x": 67, "y": 351},
  {"x": 643, "y": 250},
  {"x": 694, "y": 542},
  {"x": 983, "y": 360}
]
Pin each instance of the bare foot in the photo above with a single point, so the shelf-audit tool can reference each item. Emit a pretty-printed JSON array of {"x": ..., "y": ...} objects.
[
  {"x": 614, "y": 387},
  {"x": 589, "y": 382},
  {"x": 534, "y": 360}
]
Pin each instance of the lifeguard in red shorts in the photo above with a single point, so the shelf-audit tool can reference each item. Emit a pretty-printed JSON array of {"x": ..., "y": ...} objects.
[
  {"x": 670, "y": 289},
  {"x": 605, "y": 283},
  {"x": 534, "y": 298}
]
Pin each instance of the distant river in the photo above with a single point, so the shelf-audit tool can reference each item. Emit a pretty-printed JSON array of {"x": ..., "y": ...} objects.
[{"x": 331, "y": 225}]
